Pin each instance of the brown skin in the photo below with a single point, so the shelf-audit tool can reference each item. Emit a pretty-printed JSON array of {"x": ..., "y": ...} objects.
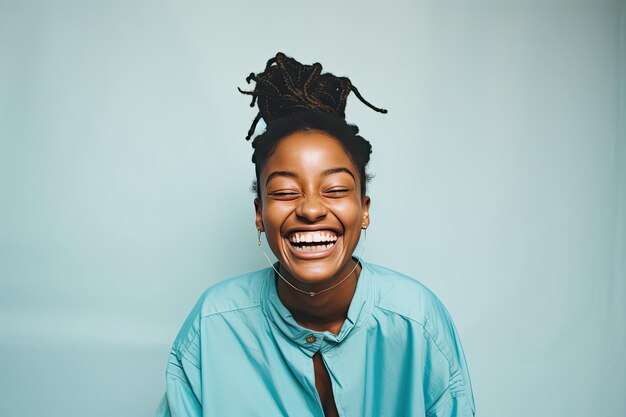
[
  {"x": 305, "y": 195},
  {"x": 310, "y": 183},
  {"x": 324, "y": 386}
]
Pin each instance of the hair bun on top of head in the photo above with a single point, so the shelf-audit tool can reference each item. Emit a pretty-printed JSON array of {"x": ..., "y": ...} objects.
[{"x": 287, "y": 86}]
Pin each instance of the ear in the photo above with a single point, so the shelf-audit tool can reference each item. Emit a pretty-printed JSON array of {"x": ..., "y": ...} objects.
[
  {"x": 258, "y": 208},
  {"x": 366, "y": 211}
]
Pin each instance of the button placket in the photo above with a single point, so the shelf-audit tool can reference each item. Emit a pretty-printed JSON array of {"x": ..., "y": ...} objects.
[{"x": 313, "y": 341}]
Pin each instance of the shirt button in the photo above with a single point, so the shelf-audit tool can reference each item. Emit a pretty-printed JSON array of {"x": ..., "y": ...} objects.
[{"x": 310, "y": 338}]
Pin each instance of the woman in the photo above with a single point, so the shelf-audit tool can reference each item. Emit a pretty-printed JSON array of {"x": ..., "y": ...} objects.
[{"x": 320, "y": 333}]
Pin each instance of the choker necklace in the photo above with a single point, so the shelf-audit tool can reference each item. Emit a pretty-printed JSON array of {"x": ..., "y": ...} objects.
[{"x": 313, "y": 293}]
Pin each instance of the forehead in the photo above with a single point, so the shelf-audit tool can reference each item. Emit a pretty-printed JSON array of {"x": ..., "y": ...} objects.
[{"x": 308, "y": 152}]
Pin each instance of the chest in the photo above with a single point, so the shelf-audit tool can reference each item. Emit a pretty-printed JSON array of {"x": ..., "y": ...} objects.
[
  {"x": 324, "y": 386},
  {"x": 371, "y": 373}
]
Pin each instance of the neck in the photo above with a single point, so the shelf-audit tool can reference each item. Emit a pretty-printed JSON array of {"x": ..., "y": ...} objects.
[{"x": 326, "y": 311}]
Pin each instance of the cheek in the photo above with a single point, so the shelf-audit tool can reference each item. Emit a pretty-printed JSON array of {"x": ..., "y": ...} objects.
[
  {"x": 349, "y": 213},
  {"x": 274, "y": 215}
]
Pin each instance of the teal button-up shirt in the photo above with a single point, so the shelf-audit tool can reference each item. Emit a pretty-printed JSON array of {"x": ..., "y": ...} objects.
[{"x": 241, "y": 353}]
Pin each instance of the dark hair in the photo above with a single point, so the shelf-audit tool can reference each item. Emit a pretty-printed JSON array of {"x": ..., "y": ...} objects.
[
  {"x": 293, "y": 97},
  {"x": 357, "y": 148}
]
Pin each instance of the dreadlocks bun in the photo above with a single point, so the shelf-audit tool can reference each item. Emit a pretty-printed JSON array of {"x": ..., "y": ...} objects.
[{"x": 286, "y": 87}]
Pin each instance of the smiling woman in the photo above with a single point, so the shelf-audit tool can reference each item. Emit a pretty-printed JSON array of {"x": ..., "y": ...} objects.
[
  {"x": 310, "y": 195},
  {"x": 320, "y": 332}
]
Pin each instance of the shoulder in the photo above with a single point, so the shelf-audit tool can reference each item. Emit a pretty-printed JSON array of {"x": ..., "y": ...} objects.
[
  {"x": 401, "y": 295},
  {"x": 233, "y": 294},
  {"x": 236, "y": 293},
  {"x": 404, "y": 295}
]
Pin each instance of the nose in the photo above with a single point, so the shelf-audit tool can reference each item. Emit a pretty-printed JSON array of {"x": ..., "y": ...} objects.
[{"x": 311, "y": 209}]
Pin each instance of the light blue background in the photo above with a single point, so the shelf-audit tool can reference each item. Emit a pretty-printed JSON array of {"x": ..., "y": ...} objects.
[{"x": 124, "y": 184}]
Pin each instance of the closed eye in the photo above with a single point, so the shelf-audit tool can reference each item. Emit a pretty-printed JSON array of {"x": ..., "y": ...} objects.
[
  {"x": 337, "y": 192},
  {"x": 284, "y": 195}
]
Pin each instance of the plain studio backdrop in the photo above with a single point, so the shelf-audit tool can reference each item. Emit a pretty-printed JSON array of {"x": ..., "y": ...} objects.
[{"x": 500, "y": 183}]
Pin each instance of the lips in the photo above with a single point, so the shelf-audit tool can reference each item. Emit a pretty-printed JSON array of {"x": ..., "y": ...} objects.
[{"x": 312, "y": 242}]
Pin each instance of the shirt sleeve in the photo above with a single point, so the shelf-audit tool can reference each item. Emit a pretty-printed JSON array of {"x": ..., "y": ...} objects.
[
  {"x": 182, "y": 397},
  {"x": 448, "y": 372},
  {"x": 183, "y": 374},
  {"x": 453, "y": 402}
]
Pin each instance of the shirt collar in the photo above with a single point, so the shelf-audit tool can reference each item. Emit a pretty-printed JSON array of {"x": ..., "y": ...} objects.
[{"x": 311, "y": 341}]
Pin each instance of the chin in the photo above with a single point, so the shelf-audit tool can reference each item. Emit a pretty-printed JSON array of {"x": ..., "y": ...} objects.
[
  {"x": 316, "y": 271},
  {"x": 313, "y": 262},
  {"x": 313, "y": 275}
]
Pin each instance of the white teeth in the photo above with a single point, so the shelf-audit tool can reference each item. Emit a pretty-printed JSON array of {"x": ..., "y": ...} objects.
[
  {"x": 315, "y": 236},
  {"x": 314, "y": 248}
]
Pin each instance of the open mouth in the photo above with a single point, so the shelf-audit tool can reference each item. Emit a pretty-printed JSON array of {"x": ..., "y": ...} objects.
[{"x": 313, "y": 241}]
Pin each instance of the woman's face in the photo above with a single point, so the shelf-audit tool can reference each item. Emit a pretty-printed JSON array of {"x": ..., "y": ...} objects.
[{"x": 311, "y": 208}]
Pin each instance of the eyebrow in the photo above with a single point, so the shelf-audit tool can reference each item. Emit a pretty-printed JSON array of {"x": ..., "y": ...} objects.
[
  {"x": 290, "y": 174},
  {"x": 275, "y": 174},
  {"x": 338, "y": 170}
]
